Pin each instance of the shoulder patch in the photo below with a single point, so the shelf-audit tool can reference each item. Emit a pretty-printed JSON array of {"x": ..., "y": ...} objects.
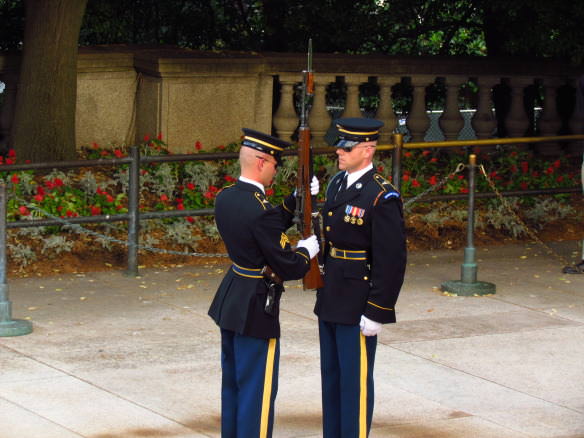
[
  {"x": 388, "y": 190},
  {"x": 384, "y": 183},
  {"x": 262, "y": 200}
]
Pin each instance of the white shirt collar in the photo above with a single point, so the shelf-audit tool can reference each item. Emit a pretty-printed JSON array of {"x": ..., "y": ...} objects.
[
  {"x": 251, "y": 181},
  {"x": 352, "y": 177}
]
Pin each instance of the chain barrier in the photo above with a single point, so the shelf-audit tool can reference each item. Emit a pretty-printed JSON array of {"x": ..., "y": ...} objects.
[
  {"x": 529, "y": 232},
  {"x": 459, "y": 168},
  {"x": 82, "y": 230}
]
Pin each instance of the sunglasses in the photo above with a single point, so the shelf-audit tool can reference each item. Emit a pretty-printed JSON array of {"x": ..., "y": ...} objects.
[
  {"x": 348, "y": 149},
  {"x": 275, "y": 163}
]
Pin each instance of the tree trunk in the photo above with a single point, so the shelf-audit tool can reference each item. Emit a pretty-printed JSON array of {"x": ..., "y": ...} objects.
[{"x": 44, "y": 120}]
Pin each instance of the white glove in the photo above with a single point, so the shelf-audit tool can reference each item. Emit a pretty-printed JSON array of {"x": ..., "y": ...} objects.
[
  {"x": 369, "y": 327},
  {"x": 314, "y": 187},
  {"x": 311, "y": 244}
]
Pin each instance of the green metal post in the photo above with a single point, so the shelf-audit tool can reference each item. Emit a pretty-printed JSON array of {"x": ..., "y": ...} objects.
[
  {"x": 8, "y": 326},
  {"x": 468, "y": 284},
  {"x": 133, "y": 211}
]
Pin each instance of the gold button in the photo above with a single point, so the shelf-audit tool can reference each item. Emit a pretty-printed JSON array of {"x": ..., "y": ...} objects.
[
  {"x": 365, "y": 278},
  {"x": 328, "y": 228},
  {"x": 330, "y": 213}
]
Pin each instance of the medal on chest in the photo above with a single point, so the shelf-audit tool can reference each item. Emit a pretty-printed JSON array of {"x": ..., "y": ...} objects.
[{"x": 354, "y": 215}]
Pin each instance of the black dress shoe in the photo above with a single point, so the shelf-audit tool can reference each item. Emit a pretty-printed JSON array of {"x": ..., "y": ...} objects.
[{"x": 576, "y": 269}]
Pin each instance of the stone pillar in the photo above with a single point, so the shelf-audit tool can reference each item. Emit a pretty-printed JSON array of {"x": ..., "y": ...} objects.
[
  {"x": 517, "y": 122},
  {"x": 352, "y": 107},
  {"x": 549, "y": 121},
  {"x": 319, "y": 118},
  {"x": 451, "y": 121},
  {"x": 285, "y": 118},
  {"x": 418, "y": 121},
  {"x": 483, "y": 122},
  {"x": 385, "y": 111}
]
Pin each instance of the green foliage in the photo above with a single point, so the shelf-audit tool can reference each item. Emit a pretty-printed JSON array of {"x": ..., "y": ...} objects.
[{"x": 194, "y": 185}]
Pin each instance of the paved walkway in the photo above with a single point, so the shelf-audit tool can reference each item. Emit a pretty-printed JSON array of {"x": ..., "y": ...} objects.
[{"x": 118, "y": 357}]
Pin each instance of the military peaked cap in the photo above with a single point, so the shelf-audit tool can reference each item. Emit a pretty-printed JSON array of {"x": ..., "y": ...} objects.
[
  {"x": 351, "y": 131},
  {"x": 264, "y": 143}
]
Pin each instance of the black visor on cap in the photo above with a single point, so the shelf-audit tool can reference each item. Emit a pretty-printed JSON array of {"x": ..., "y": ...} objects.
[{"x": 340, "y": 143}]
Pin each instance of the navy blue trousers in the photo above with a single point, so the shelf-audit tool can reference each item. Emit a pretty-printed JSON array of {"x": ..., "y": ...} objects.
[
  {"x": 248, "y": 386},
  {"x": 346, "y": 366}
]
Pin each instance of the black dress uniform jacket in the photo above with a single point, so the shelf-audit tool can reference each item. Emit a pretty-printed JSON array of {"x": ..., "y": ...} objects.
[
  {"x": 367, "y": 218},
  {"x": 254, "y": 233}
]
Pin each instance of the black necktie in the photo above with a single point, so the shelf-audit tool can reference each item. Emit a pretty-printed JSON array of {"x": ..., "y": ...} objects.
[{"x": 342, "y": 187}]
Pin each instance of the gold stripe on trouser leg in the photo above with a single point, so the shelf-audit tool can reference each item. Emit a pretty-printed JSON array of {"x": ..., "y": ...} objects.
[
  {"x": 363, "y": 390},
  {"x": 267, "y": 387}
]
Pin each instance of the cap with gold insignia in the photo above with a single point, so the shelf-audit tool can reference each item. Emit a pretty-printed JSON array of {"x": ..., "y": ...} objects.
[
  {"x": 264, "y": 143},
  {"x": 351, "y": 131}
]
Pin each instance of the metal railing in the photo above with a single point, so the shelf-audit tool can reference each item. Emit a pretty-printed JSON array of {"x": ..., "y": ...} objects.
[{"x": 135, "y": 160}]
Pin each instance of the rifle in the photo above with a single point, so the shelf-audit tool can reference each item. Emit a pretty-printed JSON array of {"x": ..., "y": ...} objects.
[{"x": 307, "y": 216}]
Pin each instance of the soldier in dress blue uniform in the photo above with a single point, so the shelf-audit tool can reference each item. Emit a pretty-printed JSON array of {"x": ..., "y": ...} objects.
[
  {"x": 365, "y": 259},
  {"x": 246, "y": 305}
]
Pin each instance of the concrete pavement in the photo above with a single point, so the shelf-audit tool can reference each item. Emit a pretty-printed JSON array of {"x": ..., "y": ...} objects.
[{"x": 118, "y": 357}]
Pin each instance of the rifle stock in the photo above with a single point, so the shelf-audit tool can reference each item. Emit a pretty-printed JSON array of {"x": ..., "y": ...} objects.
[{"x": 308, "y": 215}]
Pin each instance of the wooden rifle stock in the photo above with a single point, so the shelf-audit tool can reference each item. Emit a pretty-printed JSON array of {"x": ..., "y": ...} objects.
[{"x": 313, "y": 279}]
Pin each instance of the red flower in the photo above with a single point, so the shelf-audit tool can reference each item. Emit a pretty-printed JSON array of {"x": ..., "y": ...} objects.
[
  {"x": 221, "y": 147},
  {"x": 426, "y": 152},
  {"x": 229, "y": 178},
  {"x": 198, "y": 145},
  {"x": 415, "y": 183},
  {"x": 513, "y": 168},
  {"x": 58, "y": 182},
  {"x": 69, "y": 213},
  {"x": 549, "y": 170},
  {"x": 163, "y": 198},
  {"x": 40, "y": 190},
  {"x": 15, "y": 179},
  {"x": 9, "y": 161},
  {"x": 146, "y": 138},
  {"x": 560, "y": 178},
  {"x": 118, "y": 153},
  {"x": 11, "y": 153},
  {"x": 190, "y": 219},
  {"x": 213, "y": 189},
  {"x": 23, "y": 210},
  {"x": 104, "y": 153},
  {"x": 380, "y": 169},
  {"x": 406, "y": 177},
  {"x": 109, "y": 198},
  {"x": 269, "y": 192},
  {"x": 433, "y": 180},
  {"x": 159, "y": 136},
  {"x": 523, "y": 185},
  {"x": 433, "y": 160},
  {"x": 463, "y": 190},
  {"x": 190, "y": 186},
  {"x": 95, "y": 210},
  {"x": 407, "y": 154},
  {"x": 524, "y": 166},
  {"x": 180, "y": 206},
  {"x": 38, "y": 198},
  {"x": 95, "y": 145},
  {"x": 557, "y": 164}
]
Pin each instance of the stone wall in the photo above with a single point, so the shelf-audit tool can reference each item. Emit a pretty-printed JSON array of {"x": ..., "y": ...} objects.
[{"x": 125, "y": 93}]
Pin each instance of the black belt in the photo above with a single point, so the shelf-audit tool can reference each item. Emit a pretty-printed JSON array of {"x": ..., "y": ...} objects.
[
  {"x": 247, "y": 272},
  {"x": 347, "y": 254},
  {"x": 265, "y": 272}
]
